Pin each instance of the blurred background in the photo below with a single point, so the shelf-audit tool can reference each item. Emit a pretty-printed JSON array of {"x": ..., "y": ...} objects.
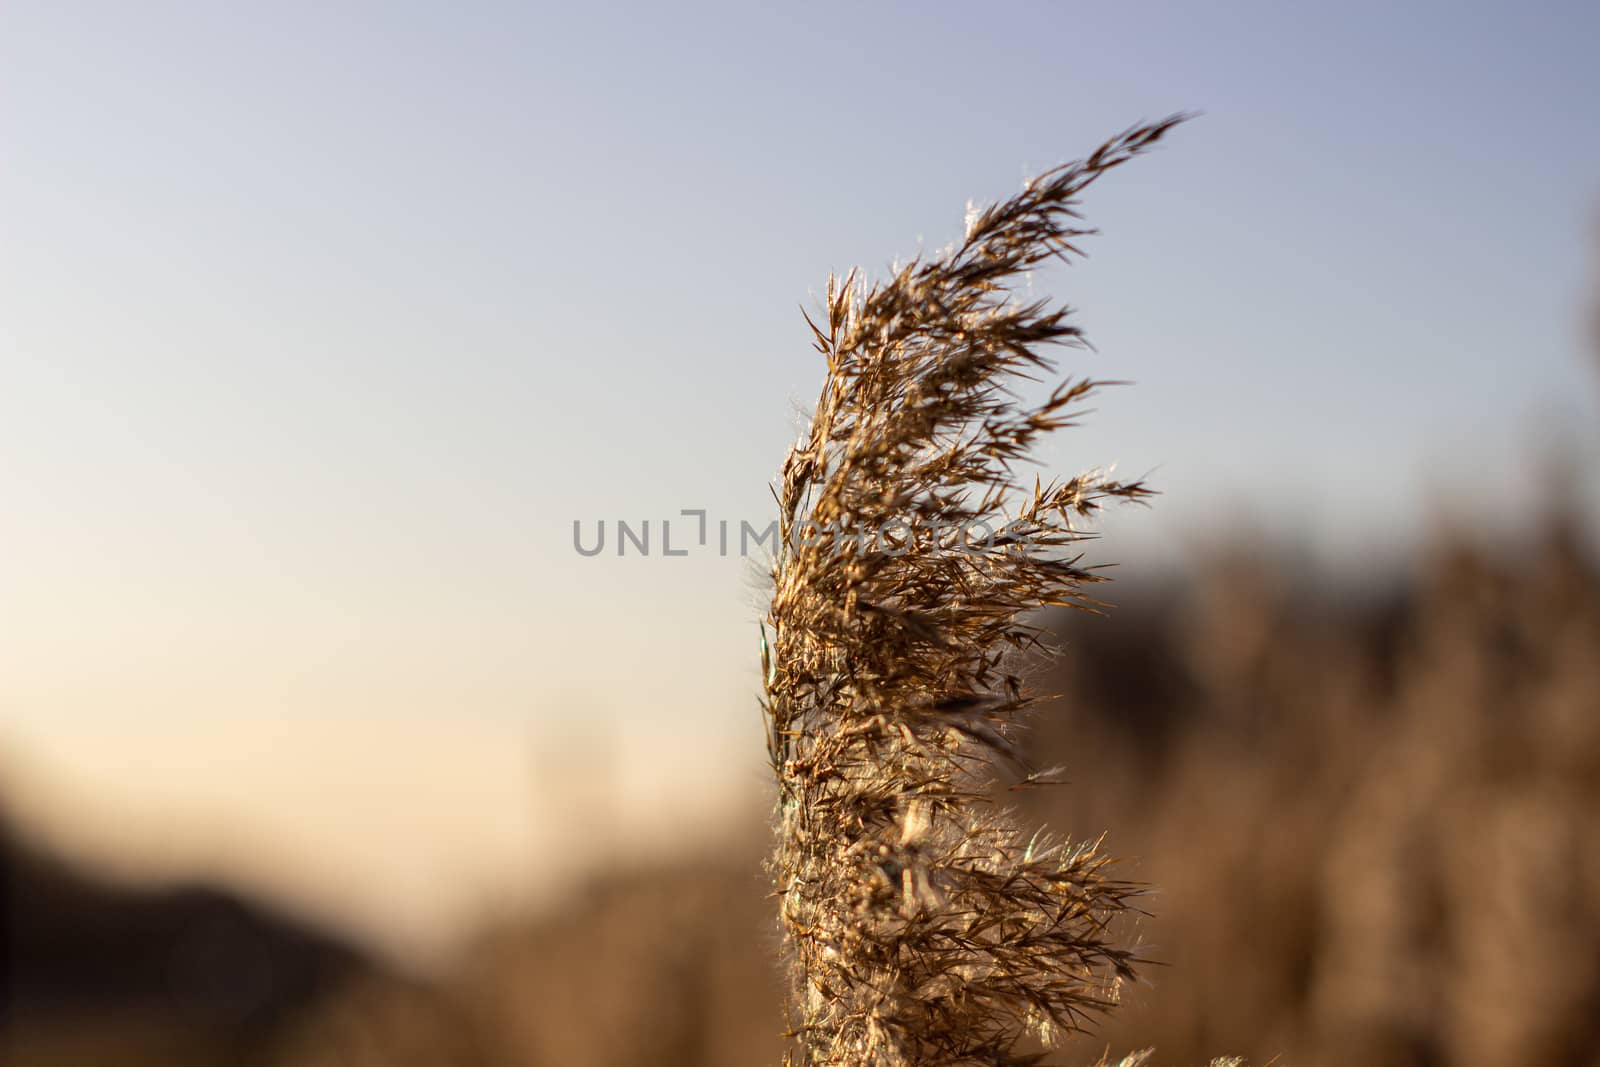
[{"x": 323, "y": 327}]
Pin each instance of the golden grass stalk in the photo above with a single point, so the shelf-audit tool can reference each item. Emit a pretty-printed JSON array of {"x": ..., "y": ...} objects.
[{"x": 922, "y": 925}]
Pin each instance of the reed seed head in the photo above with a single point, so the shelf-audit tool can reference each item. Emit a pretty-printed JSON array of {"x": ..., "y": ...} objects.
[{"x": 923, "y": 926}]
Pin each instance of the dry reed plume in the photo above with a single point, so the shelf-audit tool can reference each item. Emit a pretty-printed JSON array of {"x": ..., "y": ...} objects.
[{"x": 924, "y": 927}]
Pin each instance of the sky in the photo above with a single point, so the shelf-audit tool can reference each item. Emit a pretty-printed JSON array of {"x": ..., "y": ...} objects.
[{"x": 321, "y": 324}]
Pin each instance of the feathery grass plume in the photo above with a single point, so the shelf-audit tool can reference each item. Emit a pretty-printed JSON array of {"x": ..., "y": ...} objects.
[{"x": 923, "y": 927}]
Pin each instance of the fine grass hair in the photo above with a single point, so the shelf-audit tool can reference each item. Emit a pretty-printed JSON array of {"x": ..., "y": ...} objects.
[{"x": 922, "y": 926}]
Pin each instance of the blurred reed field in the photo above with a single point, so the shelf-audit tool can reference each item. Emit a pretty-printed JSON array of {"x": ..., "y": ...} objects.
[{"x": 1371, "y": 820}]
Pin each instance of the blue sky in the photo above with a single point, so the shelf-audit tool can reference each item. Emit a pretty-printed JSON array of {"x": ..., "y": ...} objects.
[{"x": 320, "y": 324}]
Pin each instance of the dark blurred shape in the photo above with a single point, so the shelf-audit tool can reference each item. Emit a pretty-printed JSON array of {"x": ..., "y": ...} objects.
[{"x": 98, "y": 973}]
